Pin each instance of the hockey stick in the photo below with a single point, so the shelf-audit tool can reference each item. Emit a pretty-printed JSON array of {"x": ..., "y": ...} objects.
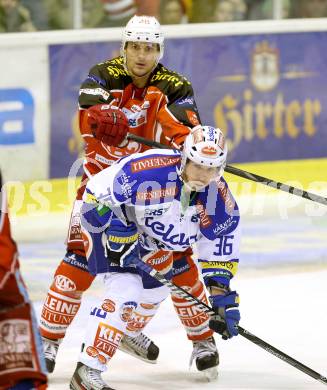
[
  {"x": 246, "y": 175},
  {"x": 243, "y": 332}
]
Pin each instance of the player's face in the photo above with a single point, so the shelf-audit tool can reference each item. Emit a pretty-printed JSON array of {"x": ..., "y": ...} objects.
[
  {"x": 141, "y": 57},
  {"x": 198, "y": 176}
]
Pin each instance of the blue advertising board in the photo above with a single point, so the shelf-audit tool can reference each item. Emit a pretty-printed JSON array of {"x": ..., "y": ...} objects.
[
  {"x": 266, "y": 91},
  {"x": 16, "y": 116}
]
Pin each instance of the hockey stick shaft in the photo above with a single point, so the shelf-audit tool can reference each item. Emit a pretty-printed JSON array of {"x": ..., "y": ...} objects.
[
  {"x": 243, "y": 332},
  {"x": 246, "y": 175}
]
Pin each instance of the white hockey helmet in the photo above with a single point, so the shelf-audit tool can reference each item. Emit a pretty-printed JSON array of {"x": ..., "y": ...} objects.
[
  {"x": 205, "y": 145},
  {"x": 143, "y": 29}
]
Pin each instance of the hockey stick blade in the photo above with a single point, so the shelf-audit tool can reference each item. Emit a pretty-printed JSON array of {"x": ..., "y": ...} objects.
[
  {"x": 243, "y": 332},
  {"x": 246, "y": 175}
]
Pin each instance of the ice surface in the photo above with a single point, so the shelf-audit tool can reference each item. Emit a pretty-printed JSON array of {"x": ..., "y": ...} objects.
[{"x": 282, "y": 286}]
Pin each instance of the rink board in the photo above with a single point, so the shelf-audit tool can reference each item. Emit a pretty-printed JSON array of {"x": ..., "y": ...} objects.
[
  {"x": 57, "y": 195},
  {"x": 278, "y": 113},
  {"x": 251, "y": 79}
]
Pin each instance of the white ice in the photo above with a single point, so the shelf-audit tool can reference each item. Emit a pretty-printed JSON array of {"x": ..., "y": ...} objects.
[{"x": 288, "y": 311}]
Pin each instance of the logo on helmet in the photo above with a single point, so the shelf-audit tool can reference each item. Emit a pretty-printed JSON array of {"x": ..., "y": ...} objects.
[
  {"x": 221, "y": 141},
  {"x": 197, "y": 136},
  {"x": 144, "y": 21},
  {"x": 211, "y": 134},
  {"x": 209, "y": 151}
]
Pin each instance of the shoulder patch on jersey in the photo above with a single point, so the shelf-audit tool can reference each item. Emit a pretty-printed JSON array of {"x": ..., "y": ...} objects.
[
  {"x": 153, "y": 162},
  {"x": 217, "y": 204},
  {"x": 170, "y": 76},
  {"x": 186, "y": 101},
  {"x": 205, "y": 220},
  {"x": 226, "y": 195},
  {"x": 192, "y": 117},
  {"x": 115, "y": 67},
  {"x": 96, "y": 79}
]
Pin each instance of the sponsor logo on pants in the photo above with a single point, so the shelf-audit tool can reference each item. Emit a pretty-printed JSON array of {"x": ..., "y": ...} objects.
[{"x": 107, "y": 339}]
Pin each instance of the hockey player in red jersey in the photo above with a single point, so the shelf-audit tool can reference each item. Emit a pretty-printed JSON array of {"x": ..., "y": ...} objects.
[
  {"x": 22, "y": 365},
  {"x": 131, "y": 93}
]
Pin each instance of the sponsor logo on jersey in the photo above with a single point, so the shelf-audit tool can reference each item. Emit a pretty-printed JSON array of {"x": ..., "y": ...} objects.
[
  {"x": 172, "y": 77},
  {"x": 222, "y": 227},
  {"x": 95, "y": 91},
  {"x": 107, "y": 339},
  {"x": 226, "y": 195},
  {"x": 192, "y": 117},
  {"x": 125, "y": 189},
  {"x": 96, "y": 79},
  {"x": 166, "y": 233},
  {"x": 155, "y": 212},
  {"x": 157, "y": 194},
  {"x": 153, "y": 162},
  {"x": 116, "y": 71},
  {"x": 136, "y": 115},
  {"x": 127, "y": 310},
  {"x": 103, "y": 160},
  {"x": 108, "y": 305},
  {"x": 188, "y": 101},
  {"x": 205, "y": 220},
  {"x": 64, "y": 284}
]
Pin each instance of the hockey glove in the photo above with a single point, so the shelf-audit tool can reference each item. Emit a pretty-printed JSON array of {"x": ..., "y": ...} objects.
[
  {"x": 226, "y": 306},
  {"x": 122, "y": 246},
  {"x": 108, "y": 124}
]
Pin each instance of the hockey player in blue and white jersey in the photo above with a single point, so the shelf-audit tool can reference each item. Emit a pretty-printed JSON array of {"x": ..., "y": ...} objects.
[{"x": 146, "y": 206}]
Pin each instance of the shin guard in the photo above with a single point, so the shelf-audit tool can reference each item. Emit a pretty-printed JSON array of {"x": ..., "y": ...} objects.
[
  {"x": 64, "y": 296},
  {"x": 194, "y": 320}
]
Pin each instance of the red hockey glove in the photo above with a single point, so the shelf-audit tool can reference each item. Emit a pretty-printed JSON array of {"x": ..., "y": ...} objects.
[{"x": 108, "y": 124}]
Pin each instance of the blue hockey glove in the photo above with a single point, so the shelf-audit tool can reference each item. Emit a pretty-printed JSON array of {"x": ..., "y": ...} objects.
[
  {"x": 122, "y": 246},
  {"x": 226, "y": 306}
]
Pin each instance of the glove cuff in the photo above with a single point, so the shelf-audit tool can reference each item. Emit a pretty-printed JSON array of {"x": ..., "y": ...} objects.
[
  {"x": 123, "y": 240},
  {"x": 215, "y": 283}
]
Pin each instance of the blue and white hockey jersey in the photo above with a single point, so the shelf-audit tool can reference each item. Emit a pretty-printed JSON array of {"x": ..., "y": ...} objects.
[{"x": 145, "y": 188}]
